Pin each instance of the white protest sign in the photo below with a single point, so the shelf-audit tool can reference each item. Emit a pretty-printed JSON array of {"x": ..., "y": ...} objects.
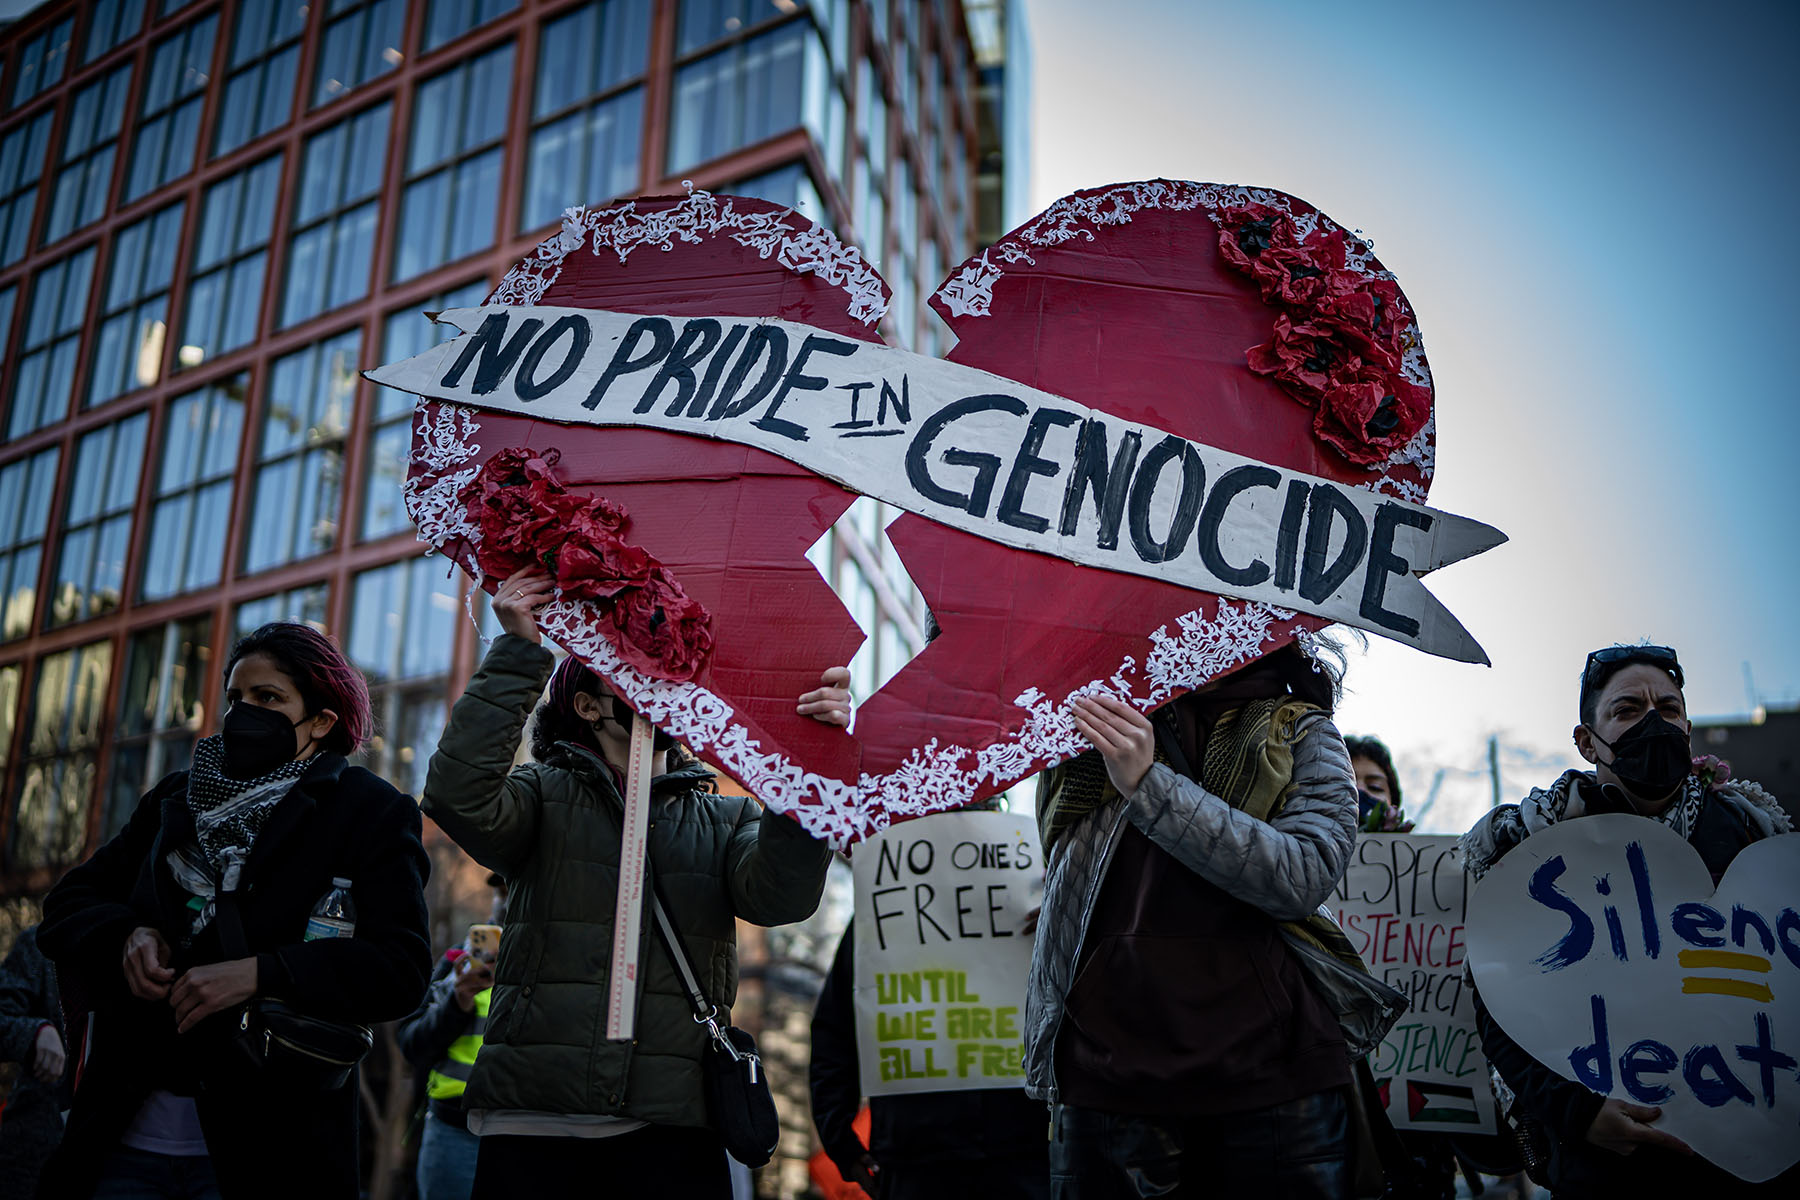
[
  {"x": 1403, "y": 903},
  {"x": 1602, "y": 948},
  {"x": 941, "y": 952},
  {"x": 974, "y": 451}
]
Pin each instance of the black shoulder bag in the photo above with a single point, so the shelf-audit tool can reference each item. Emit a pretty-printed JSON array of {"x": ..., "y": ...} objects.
[
  {"x": 737, "y": 1090},
  {"x": 275, "y": 1044}
]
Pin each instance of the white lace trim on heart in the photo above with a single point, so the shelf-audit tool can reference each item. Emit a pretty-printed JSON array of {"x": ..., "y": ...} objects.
[
  {"x": 937, "y": 776},
  {"x": 797, "y": 243}
]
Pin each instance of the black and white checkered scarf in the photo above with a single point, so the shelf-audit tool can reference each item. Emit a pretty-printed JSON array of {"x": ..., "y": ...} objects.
[
  {"x": 1505, "y": 827},
  {"x": 228, "y": 815}
]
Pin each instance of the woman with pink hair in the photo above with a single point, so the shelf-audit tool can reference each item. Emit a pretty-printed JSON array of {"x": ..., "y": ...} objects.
[{"x": 183, "y": 932}]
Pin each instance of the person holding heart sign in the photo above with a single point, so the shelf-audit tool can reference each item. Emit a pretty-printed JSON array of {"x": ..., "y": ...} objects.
[
  {"x": 1170, "y": 1025},
  {"x": 559, "y": 1108},
  {"x": 1634, "y": 729}
]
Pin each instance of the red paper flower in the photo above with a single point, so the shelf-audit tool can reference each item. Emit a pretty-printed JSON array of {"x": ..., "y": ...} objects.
[
  {"x": 527, "y": 517},
  {"x": 1308, "y": 359},
  {"x": 1369, "y": 419},
  {"x": 661, "y": 629},
  {"x": 1339, "y": 337},
  {"x": 1374, "y": 309},
  {"x": 1246, "y": 233},
  {"x": 595, "y": 571}
]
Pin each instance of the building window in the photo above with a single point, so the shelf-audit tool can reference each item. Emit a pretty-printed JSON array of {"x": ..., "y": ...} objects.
[
  {"x": 191, "y": 521},
  {"x": 871, "y": 167},
  {"x": 906, "y": 73},
  {"x": 361, "y": 42},
  {"x": 334, "y": 215},
  {"x": 8, "y": 295},
  {"x": 22, "y": 153},
  {"x": 586, "y": 131},
  {"x": 168, "y": 8},
  {"x": 113, "y": 22},
  {"x": 448, "y": 20},
  {"x": 742, "y": 95},
  {"x": 96, "y": 529},
  {"x": 453, "y": 165},
  {"x": 92, "y": 139},
  {"x": 931, "y": 277},
  {"x": 404, "y": 333},
  {"x": 9, "y": 713},
  {"x": 168, "y": 121},
  {"x": 790, "y": 185},
  {"x": 41, "y": 61},
  {"x": 49, "y": 827},
  {"x": 53, "y": 322},
  {"x": 305, "y": 605},
  {"x": 128, "y": 353},
  {"x": 833, "y": 17},
  {"x": 402, "y": 627},
  {"x": 265, "y": 55},
  {"x": 704, "y": 22},
  {"x": 902, "y": 267},
  {"x": 26, "y": 486},
  {"x": 878, "y": 19},
  {"x": 224, "y": 298},
  {"x": 858, "y": 595},
  {"x": 300, "y": 455},
  {"x": 168, "y": 674}
]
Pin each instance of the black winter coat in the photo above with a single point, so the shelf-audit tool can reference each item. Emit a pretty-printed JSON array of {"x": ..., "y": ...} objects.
[
  {"x": 32, "y": 1125},
  {"x": 338, "y": 820}
]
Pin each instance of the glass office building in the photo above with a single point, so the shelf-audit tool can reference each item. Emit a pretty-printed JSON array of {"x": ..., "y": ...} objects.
[{"x": 214, "y": 213}]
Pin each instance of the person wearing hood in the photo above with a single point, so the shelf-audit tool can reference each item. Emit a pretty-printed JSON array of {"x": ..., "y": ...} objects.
[
  {"x": 560, "y": 1109},
  {"x": 1634, "y": 729}
]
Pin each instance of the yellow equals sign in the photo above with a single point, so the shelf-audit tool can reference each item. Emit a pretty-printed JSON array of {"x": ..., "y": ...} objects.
[{"x": 1728, "y": 960}]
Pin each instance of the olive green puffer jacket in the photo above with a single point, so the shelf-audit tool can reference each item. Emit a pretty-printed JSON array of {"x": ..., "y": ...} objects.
[{"x": 552, "y": 830}]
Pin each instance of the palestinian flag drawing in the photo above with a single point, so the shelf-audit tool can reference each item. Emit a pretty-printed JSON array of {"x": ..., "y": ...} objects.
[{"x": 1448, "y": 1103}]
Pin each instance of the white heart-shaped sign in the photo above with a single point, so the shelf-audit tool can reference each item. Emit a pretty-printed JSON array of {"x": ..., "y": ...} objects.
[{"x": 1602, "y": 948}]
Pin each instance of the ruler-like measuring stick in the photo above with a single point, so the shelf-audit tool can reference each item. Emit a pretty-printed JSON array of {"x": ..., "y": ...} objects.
[{"x": 621, "y": 1007}]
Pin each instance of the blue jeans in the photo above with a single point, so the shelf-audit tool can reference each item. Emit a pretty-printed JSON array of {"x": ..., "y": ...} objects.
[
  {"x": 446, "y": 1161},
  {"x": 1293, "y": 1151},
  {"x": 141, "y": 1175}
]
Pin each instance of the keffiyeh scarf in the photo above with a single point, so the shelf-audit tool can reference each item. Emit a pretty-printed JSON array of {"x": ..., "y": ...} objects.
[
  {"x": 1511, "y": 824},
  {"x": 228, "y": 815}
]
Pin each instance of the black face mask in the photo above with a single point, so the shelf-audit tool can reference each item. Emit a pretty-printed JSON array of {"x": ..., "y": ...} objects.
[
  {"x": 1652, "y": 757},
  {"x": 257, "y": 740},
  {"x": 621, "y": 716}
]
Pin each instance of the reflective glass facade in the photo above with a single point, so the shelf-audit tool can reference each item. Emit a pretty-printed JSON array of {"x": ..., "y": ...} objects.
[{"x": 215, "y": 214}]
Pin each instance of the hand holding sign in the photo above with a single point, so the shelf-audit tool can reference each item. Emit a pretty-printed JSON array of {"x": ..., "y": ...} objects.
[{"x": 1602, "y": 948}]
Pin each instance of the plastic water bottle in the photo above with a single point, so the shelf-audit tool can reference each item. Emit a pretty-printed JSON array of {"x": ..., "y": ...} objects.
[{"x": 334, "y": 916}]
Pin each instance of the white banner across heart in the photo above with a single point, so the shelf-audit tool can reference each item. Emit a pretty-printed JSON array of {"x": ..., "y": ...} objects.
[
  {"x": 977, "y": 452},
  {"x": 1602, "y": 948}
]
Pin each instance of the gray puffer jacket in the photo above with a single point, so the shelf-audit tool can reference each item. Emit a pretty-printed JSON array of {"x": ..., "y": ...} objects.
[{"x": 1285, "y": 866}]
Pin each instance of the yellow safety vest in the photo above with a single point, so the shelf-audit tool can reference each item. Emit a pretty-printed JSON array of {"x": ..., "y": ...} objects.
[{"x": 448, "y": 1079}]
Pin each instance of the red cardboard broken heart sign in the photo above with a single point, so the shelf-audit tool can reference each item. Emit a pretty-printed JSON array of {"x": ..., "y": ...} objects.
[{"x": 1185, "y": 425}]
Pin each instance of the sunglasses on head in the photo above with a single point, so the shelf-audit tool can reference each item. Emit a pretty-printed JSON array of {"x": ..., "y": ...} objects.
[{"x": 1602, "y": 663}]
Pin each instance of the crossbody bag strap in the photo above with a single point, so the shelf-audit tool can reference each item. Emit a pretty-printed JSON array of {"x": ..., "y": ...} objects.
[
  {"x": 678, "y": 953},
  {"x": 704, "y": 1013}
]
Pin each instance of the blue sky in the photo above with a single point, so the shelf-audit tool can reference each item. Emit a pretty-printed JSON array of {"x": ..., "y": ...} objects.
[{"x": 1586, "y": 204}]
